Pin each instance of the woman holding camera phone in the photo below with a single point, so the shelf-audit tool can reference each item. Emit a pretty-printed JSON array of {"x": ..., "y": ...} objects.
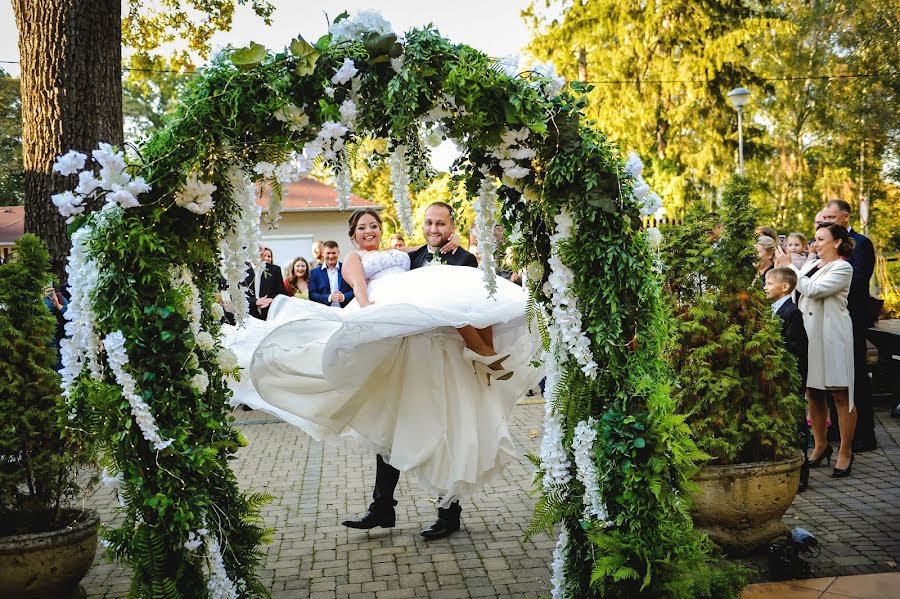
[{"x": 821, "y": 295}]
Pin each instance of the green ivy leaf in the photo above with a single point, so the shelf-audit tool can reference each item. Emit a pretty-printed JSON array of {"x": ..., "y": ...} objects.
[{"x": 249, "y": 56}]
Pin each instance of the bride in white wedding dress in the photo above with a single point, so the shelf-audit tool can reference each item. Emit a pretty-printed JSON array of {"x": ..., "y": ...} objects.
[{"x": 389, "y": 370}]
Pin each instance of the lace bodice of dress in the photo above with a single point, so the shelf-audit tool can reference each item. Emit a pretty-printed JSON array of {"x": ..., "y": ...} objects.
[{"x": 381, "y": 263}]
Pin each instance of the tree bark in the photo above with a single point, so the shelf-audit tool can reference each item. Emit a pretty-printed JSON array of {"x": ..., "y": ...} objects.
[{"x": 71, "y": 59}]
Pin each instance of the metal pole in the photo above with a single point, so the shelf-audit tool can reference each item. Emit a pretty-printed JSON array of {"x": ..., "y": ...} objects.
[{"x": 740, "y": 111}]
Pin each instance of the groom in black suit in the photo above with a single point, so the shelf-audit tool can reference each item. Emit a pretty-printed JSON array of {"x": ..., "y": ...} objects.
[{"x": 438, "y": 227}]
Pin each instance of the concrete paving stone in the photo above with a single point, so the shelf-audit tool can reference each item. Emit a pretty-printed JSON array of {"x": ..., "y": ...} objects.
[{"x": 856, "y": 520}]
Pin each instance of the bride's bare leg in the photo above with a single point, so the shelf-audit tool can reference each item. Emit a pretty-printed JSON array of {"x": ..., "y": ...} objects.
[
  {"x": 475, "y": 341},
  {"x": 487, "y": 335}
]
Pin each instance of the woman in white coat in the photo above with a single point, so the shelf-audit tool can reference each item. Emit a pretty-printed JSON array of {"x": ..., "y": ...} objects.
[{"x": 821, "y": 296}]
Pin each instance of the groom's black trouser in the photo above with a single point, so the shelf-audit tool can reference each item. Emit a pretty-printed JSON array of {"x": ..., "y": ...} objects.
[{"x": 386, "y": 477}]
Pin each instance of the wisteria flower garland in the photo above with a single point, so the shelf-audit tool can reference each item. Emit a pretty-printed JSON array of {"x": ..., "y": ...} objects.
[
  {"x": 237, "y": 248},
  {"x": 343, "y": 183},
  {"x": 81, "y": 345},
  {"x": 219, "y": 585},
  {"x": 586, "y": 469},
  {"x": 566, "y": 315},
  {"x": 554, "y": 459},
  {"x": 400, "y": 179},
  {"x": 648, "y": 201},
  {"x": 117, "y": 358},
  {"x": 484, "y": 206},
  {"x": 557, "y": 569},
  {"x": 513, "y": 155}
]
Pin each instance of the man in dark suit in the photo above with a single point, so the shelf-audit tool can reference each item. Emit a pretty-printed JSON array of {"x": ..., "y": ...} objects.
[
  {"x": 438, "y": 227},
  {"x": 264, "y": 287},
  {"x": 859, "y": 304},
  {"x": 326, "y": 284},
  {"x": 779, "y": 284}
]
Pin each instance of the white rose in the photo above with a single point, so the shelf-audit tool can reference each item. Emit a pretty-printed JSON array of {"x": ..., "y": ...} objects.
[
  {"x": 218, "y": 312},
  {"x": 227, "y": 359},
  {"x": 205, "y": 341},
  {"x": 200, "y": 382}
]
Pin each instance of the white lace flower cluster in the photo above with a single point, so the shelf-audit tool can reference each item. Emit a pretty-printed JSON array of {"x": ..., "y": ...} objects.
[
  {"x": 81, "y": 345},
  {"x": 649, "y": 201},
  {"x": 566, "y": 317},
  {"x": 484, "y": 206},
  {"x": 293, "y": 169},
  {"x": 359, "y": 23},
  {"x": 196, "y": 195},
  {"x": 586, "y": 469},
  {"x": 557, "y": 569},
  {"x": 237, "y": 247},
  {"x": 117, "y": 358},
  {"x": 115, "y": 183},
  {"x": 400, "y": 179},
  {"x": 513, "y": 155},
  {"x": 547, "y": 79},
  {"x": 554, "y": 459},
  {"x": 219, "y": 585}
]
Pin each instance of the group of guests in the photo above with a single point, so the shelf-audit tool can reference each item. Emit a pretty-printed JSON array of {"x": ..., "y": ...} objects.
[{"x": 820, "y": 291}]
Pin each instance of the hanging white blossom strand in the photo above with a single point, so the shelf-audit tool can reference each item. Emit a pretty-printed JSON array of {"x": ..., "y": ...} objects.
[
  {"x": 586, "y": 469},
  {"x": 566, "y": 315},
  {"x": 343, "y": 183},
  {"x": 648, "y": 201},
  {"x": 400, "y": 189},
  {"x": 219, "y": 585},
  {"x": 557, "y": 570},
  {"x": 81, "y": 345},
  {"x": 484, "y": 206},
  {"x": 117, "y": 358},
  {"x": 554, "y": 459},
  {"x": 238, "y": 247}
]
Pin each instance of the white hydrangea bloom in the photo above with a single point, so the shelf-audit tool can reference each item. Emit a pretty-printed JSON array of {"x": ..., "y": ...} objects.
[
  {"x": 217, "y": 311},
  {"x": 548, "y": 80},
  {"x": 266, "y": 169},
  {"x": 509, "y": 65},
  {"x": 226, "y": 359},
  {"x": 294, "y": 115},
  {"x": 87, "y": 183},
  {"x": 633, "y": 166},
  {"x": 348, "y": 113},
  {"x": 513, "y": 156},
  {"x": 364, "y": 21},
  {"x": 69, "y": 163},
  {"x": 196, "y": 195},
  {"x": 345, "y": 72},
  {"x": 68, "y": 204},
  {"x": 205, "y": 341},
  {"x": 200, "y": 382}
]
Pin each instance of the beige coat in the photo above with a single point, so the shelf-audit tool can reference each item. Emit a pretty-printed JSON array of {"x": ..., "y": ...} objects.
[{"x": 823, "y": 303}]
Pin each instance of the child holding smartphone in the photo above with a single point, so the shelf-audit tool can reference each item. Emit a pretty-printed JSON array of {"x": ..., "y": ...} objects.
[{"x": 795, "y": 245}]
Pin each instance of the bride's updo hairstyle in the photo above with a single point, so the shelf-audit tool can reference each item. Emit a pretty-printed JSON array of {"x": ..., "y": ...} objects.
[{"x": 358, "y": 214}]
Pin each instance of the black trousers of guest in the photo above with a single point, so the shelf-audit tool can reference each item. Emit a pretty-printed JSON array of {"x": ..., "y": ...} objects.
[
  {"x": 386, "y": 477},
  {"x": 862, "y": 387}
]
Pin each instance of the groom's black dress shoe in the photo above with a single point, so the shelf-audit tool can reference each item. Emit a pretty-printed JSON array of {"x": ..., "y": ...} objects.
[
  {"x": 372, "y": 519},
  {"x": 440, "y": 529}
]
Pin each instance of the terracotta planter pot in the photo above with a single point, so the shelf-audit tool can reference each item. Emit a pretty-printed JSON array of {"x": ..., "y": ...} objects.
[
  {"x": 48, "y": 564},
  {"x": 740, "y": 506}
]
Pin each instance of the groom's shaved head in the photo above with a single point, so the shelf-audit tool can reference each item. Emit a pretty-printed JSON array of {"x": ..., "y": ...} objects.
[{"x": 438, "y": 224}]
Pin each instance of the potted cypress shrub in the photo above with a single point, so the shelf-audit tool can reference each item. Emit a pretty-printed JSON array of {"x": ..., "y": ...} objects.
[
  {"x": 738, "y": 384},
  {"x": 46, "y": 547}
]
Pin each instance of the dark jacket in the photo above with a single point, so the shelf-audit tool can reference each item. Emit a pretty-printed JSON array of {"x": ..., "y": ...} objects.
[
  {"x": 421, "y": 257},
  {"x": 859, "y": 303},
  {"x": 270, "y": 285},
  {"x": 320, "y": 287},
  {"x": 794, "y": 335}
]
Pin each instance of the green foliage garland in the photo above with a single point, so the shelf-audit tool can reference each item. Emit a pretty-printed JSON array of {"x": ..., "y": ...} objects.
[
  {"x": 738, "y": 382},
  {"x": 226, "y": 121}
]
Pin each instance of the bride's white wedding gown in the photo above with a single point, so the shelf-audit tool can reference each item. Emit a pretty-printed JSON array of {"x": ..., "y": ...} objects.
[{"x": 392, "y": 375}]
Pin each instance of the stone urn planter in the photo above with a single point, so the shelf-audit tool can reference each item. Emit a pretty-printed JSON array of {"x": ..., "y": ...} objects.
[
  {"x": 740, "y": 506},
  {"x": 49, "y": 564}
]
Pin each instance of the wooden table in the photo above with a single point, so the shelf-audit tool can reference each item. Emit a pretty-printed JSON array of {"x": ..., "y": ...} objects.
[{"x": 885, "y": 335}]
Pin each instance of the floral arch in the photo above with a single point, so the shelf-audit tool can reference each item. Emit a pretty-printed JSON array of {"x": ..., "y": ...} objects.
[{"x": 144, "y": 372}]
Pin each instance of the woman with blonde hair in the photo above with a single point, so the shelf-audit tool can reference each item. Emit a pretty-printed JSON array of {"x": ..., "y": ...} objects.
[{"x": 765, "y": 249}]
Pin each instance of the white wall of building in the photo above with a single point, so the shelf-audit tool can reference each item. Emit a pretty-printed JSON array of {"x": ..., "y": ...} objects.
[{"x": 297, "y": 230}]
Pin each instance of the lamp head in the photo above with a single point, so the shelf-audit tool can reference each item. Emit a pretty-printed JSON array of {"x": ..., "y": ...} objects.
[{"x": 739, "y": 97}]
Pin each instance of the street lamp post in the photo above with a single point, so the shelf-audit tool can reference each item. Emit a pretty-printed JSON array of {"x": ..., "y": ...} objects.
[{"x": 739, "y": 97}]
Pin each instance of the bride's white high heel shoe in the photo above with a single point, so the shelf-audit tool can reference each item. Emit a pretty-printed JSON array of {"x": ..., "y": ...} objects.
[{"x": 482, "y": 366}]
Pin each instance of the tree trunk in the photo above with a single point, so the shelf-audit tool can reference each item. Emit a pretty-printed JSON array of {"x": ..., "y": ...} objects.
[{"x": 71, "y": 58}]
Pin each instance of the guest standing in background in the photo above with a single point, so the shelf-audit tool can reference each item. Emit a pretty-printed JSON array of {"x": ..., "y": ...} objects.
[
  {"x": 297, "y": 282},
  {"x": 795, "y": 245},
  {"x": 264, "y": 286},
  {"x": 316, "y": 254},
  {"x": 859, "y": 304},
  {"x": 397, "y": 241},
  {"x": 765, "y": 249},
  {"x": 326, "y": 284},
  {"x": 821, "y": 296}
]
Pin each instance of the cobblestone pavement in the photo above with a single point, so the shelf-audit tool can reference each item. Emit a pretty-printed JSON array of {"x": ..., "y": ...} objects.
[{"x": 312, "y": 556}]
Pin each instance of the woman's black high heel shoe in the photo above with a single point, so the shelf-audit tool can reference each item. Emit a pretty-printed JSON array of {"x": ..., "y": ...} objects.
[
  {"x": 826, "y": 455},
  {"x": 842, "y": 473}
]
